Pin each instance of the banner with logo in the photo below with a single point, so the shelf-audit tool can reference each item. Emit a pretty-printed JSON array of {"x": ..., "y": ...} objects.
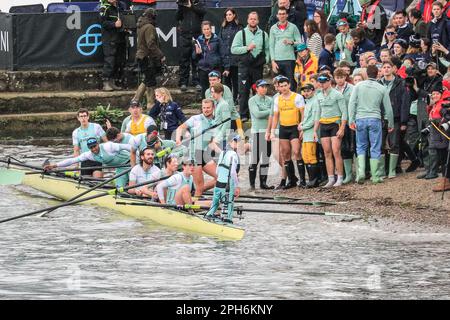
[
  {"x": 6, "y": 42},
  {"x": 73, "y": 40}
]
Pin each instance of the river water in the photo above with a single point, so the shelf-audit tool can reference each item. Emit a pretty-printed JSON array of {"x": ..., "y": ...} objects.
[{"x": 83, "y": 252}]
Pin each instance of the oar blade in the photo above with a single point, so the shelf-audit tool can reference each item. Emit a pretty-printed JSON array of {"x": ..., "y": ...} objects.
[{"x": 10, "y": 177}]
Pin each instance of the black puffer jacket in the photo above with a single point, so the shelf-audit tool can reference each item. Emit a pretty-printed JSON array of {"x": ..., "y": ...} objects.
[
  {"x": 190, "y": 19},
  {"x": 227, "y": 34},
  {"x": 400, "y": 100},
  {"x": 109, "y": 14}
]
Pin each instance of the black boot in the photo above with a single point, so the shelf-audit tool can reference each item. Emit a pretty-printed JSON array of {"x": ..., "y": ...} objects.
[
  {"x": 252, "y": 175},
  {"x": 314, "y": 175},
  {"x": 281, "y": 185},
  {"x": 413, "y": 165},
  {"x": 263, "y": 177},
  {"x": 301, "y": 173},
  {"x": 290, "y": 170}
]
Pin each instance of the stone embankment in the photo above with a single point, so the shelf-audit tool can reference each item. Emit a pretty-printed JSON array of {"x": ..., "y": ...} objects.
[{"x": 44, "y": 103}]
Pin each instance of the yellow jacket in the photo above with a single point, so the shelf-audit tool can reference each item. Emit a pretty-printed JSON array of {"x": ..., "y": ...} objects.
[{"x": 302, "y": 73}]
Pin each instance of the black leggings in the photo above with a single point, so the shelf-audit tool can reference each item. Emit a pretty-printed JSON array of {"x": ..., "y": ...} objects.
[{"x": 261, "y": 150}]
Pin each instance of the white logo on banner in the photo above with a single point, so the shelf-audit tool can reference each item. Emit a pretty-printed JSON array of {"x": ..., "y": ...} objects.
[
  {"x": 4, "y": 42},
  {"x": 172, "y": 33},
  {"x": 73, "y": 22}
]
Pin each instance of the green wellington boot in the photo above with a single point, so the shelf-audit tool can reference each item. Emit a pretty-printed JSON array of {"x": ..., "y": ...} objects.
[
  {"x": 393, "y": 158},
  {"x": 361, "y": 173},
  {"x": 382, "y": 167},
  {"x": 348, "y": 170},
  {"x": 374, "y": 164}
]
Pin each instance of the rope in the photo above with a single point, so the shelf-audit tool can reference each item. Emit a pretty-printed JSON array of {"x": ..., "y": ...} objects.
[{"x": 440, "y": 131}]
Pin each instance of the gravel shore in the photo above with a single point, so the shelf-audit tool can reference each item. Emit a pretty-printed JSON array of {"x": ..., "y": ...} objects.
[{"x": 400, "y": 204}]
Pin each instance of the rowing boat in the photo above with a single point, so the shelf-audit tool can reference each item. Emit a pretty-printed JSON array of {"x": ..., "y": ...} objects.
[{"x": 65, "y": 189}]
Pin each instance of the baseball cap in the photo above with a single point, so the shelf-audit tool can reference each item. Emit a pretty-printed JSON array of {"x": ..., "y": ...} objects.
[
  {"x": 134, "y": 103},
  {"x": 301, "y": 47},
  {"x": 261, "y": 82},
  {"x": 91, "y": 142},
  {"x": 234, "y": 137},
  {"x": 214, "y": 74},
  {"x": 431, "y": 64},
  {"x": 341, "y": 22},
  {"x": 324, "y": 67},
  {"x": 308, "y": 86}
]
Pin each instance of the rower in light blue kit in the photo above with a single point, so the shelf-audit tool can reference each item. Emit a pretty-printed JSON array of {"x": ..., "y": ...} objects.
[
  {"x": 227, "y": 186},
  {"x": 108, "y": 154}
]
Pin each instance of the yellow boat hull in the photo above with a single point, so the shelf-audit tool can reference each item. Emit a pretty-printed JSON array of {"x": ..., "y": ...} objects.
[{"x": 65, "y": 189}]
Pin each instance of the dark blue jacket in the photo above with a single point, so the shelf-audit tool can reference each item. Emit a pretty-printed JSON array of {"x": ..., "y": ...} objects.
[
  {"x": 227, "y": 34},
  {"x": 168, "y": 112},
  {"x": 327, "y": 58},
  {"x": 440, "y": 31},
  {"x": 363, "y": 46},
  {"x": 213, "y": 56}
]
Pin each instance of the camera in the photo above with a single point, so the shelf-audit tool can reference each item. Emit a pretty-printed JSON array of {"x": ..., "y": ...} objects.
[
  {"x": 426, "y": 131},
  {"x": 418, "y": 72}
]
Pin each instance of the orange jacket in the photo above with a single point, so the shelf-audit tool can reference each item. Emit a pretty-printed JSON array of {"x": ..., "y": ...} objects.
[{"x": 303, "y": 72}]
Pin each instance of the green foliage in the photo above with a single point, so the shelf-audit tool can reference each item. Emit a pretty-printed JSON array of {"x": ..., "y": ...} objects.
[{"x": 102, "y": 113}]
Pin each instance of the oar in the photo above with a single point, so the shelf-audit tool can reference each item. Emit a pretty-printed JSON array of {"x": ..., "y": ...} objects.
[
  {"x": 102, "y": 194},
  {"x": 19, "y": 164},
  {"x": 288, "y": 200},
  {"x": 92, "y": 189},
  {"x": 79, "y": 169},
  {"x": 305, "y": 203},
  {"x": 315, "y": 213},
  {"x": 8, "y": 177},
  {"x": 165, "y": 205}
]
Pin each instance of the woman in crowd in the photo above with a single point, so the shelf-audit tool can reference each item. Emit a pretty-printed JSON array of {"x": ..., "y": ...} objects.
[
  {"x": 210, "y": 53},
  {"x": 390, "y": 35},
  {"x": 167, "y": 112},
  {"x": 400, "y": 47},
  {"x": 305, "y": 66},
  {"x": 321, "y": 20},
  {"x": 314, "y": 42},
  {"x": 230, "y": 26}
]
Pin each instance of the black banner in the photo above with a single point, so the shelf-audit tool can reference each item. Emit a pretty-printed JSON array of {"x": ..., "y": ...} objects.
[
  {"x": 6, "y": 41},
  {"x": 73, "y": 40}
]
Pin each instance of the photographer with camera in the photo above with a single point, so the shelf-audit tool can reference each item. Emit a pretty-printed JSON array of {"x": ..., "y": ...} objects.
[
  {"x": 444, "y": 130},
  {"x": 252, "y": 46},
  {"x": 149, "y": 55},
  {"x": 189, "y": 16},
  {"x": 114, "y": 44}
]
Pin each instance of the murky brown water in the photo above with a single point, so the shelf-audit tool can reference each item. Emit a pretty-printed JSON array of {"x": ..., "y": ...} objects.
[{"x": 85, "y": 252}]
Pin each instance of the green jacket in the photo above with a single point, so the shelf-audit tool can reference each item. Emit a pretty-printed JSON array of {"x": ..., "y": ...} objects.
[
  {"x": 222, "y": 112},
  {"x": 331, "y": 105},
  {"x": 309, "y": 115},
  {"x": 278, "y": 50},
  {"x": 347, "y": 92},
  {"x": 367, "y": 100},
  {"x": 228, "y": 97},
  {"x": 259, "y": 111},
  {"x": 346, "y": 55},
  {"x": 237, "y": 47}
]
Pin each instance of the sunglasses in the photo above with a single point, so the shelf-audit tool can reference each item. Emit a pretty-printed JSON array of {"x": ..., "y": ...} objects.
[{"x": 391, "y": 33}]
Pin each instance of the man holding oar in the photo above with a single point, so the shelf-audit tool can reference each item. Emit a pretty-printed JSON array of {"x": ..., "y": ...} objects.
[
  {"x": 201, "y": 138},
  {"x": 108, "y": 154},
  {"x": 80, "y": 136},
  {"x": 227, "y": 186}
]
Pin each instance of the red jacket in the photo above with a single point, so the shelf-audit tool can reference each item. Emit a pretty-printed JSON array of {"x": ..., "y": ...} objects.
[
  {"x": 144, "y": 1},
  {"x": 435, "y": 113},
  {"x": 425, "y": 6}
]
